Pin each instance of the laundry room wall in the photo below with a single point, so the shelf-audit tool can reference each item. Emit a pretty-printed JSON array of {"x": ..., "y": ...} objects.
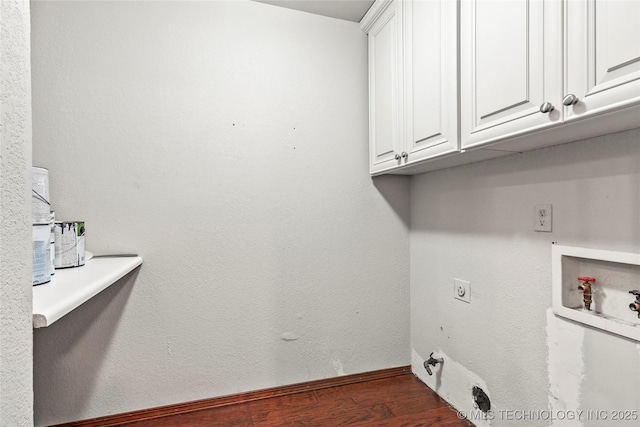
[
  {"x": 226, "y": 143},
  {"x": 475, "y": 223}
]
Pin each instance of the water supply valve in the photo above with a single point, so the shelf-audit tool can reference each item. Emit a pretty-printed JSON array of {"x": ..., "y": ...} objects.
[
  {"x": 585, "y": 287},
  {"x": 433, "y": 362},
  {"x": 635, "y": 306}
]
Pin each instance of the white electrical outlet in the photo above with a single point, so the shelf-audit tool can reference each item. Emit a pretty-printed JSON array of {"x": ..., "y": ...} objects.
[
  {"x": 462, "y": 290},
  {"x": 542, "y": 218}
]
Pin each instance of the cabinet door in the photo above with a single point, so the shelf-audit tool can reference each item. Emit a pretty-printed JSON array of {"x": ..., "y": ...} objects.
[
  {"x": 510, "y": 65},
  {"x": 602, "y": 55},
  {"x": 385, "y": 89},
  {"x": 431, "y": 78}
]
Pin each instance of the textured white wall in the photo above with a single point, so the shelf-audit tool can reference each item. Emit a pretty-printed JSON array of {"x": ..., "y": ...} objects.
[
  {"x": 16, "y": 360},
  {"x": 475, "y": 223},
  {"x": 226, "y": 142}
]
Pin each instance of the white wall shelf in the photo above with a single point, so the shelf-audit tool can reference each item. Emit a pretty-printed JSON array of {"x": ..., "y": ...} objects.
[
  {"x": 616, "y": 273},
  {"x": 71, "y": 287}
]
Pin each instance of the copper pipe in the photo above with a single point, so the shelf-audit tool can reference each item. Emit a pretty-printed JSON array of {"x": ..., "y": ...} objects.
[{"x": 585, "y": 287}]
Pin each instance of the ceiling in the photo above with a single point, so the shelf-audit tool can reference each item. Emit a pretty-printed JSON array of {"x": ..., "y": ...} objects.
[{"x": 350, "y": 10}]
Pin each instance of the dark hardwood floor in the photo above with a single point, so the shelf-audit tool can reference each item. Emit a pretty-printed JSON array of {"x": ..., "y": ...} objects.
[
  {"x": 390, "y": 397},
  {"x": 398, "y": 401}
]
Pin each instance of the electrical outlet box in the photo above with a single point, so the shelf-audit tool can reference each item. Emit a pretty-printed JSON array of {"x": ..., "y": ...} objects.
[
  {"x": 462, "y": 290},
  {"x": 542, "y": 218}
]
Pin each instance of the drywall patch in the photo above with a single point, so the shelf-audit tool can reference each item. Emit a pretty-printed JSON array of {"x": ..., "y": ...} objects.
[
  {"x": 566, "y": 364},
  {"x": 454, "y": 383},
  {"x": 289, "y": 336},
  {"x": 337, "y": 366}
]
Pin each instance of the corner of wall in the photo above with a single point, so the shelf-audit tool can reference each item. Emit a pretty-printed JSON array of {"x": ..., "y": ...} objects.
[{"x": 16, "y": 367}]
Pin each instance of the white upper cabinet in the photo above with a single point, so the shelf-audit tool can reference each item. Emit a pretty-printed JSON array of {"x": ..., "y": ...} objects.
[
  {"x": 511, "y": 69},
  {"x": 457, "y": 81},
  {"x": 602, "y": 56},
  {"x": 431, "y": 83},
  {"x": 528, "y": 65},
  {"x": 413, "y": 83},
  {"x": 385, "y": 86}
]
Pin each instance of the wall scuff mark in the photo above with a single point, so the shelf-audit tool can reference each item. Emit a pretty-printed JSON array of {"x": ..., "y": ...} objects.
[{"x": 289, "y": 336}]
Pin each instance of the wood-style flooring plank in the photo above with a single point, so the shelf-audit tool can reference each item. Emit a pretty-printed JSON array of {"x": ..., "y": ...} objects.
[{"x": 226, "y": 416}]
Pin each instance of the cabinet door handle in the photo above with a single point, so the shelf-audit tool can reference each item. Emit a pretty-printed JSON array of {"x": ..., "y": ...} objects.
[
  {"x": 404, "y": 155},
  {"x": 570, "y": 99},
  {"x": 397, "y": 156},
  {"x": 546, "y": 107}
]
